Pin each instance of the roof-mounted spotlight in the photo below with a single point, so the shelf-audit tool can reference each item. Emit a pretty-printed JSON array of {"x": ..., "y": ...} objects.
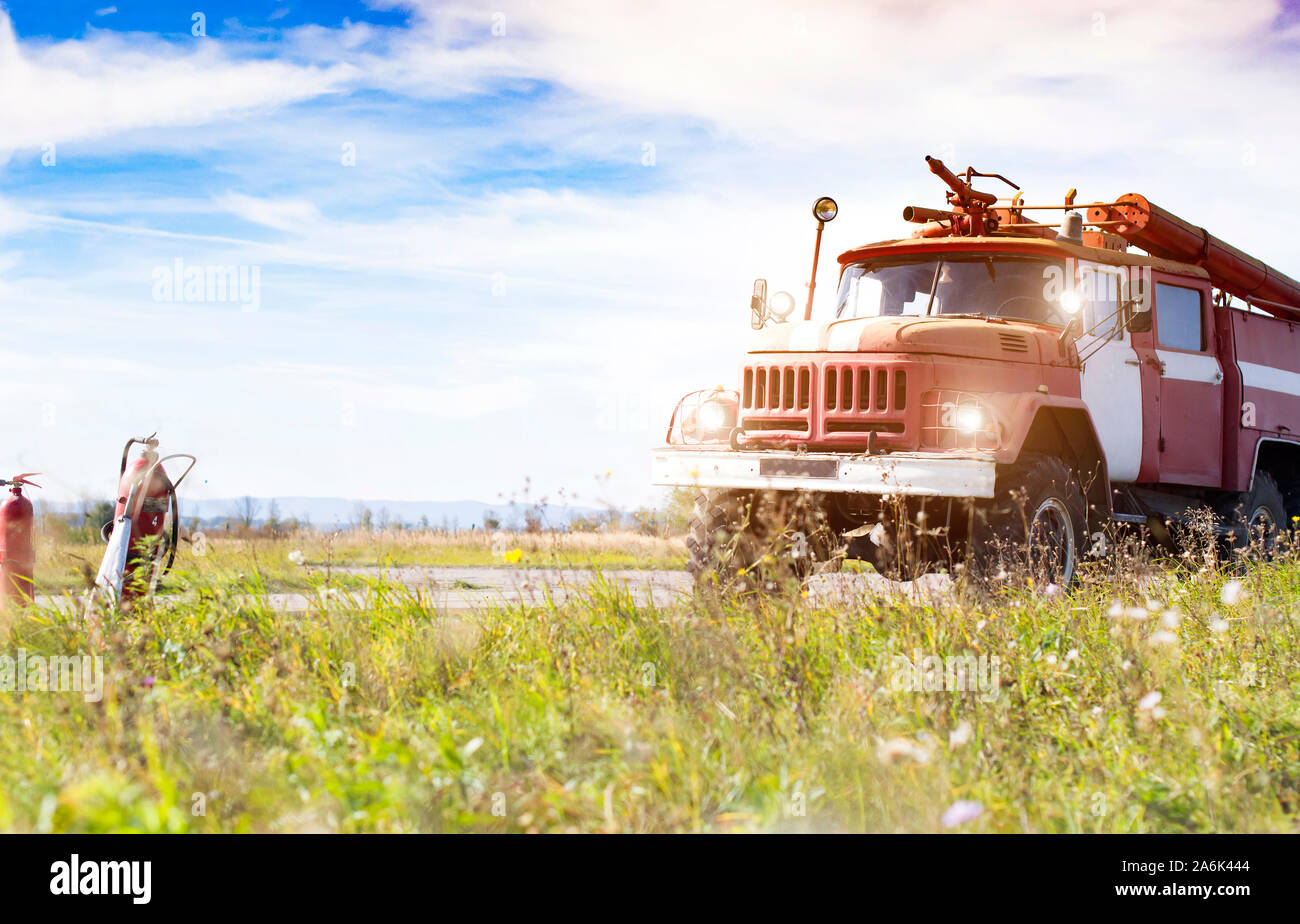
[{"x": 824, "y": 210}]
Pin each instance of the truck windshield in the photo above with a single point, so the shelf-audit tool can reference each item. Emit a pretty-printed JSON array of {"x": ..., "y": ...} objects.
[{"x": 988, "y": 285}]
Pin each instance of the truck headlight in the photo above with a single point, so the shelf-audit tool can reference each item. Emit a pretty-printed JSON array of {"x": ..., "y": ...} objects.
[
  {"x": 711, "y": 419},
  {"x": 952, "y": 419},
  {"x": 716, "y": 417},
  {"x": 971, "y": 419}
]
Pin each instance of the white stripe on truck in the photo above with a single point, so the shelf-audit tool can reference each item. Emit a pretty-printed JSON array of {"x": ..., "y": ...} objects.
[
  {"x": 1190, "y": 367},
  {"x": 1270, "y": 378}
]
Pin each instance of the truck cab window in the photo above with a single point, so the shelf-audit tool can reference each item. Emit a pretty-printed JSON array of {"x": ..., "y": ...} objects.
[
  {"x": 1100, "y": 288},
  {"x": 1180, "y": 322},
  {"x": 1001, "y": 285}
]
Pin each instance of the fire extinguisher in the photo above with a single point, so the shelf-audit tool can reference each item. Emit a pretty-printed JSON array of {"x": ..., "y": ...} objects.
[
  {"x": 17, "y": 554},
  {"x": 143, "y": 533}
]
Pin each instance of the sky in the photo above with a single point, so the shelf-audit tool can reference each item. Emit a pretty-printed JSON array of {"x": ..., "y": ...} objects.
[{"x": 481, "y": 249}]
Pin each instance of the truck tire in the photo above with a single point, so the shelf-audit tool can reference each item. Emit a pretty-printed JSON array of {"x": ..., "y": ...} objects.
[
  {"x": 720, "y": 543},
  {"x": 1036, "y": 525},
  {"x": 1258, "y": 515},
  {"x": 756, "y": 541}
]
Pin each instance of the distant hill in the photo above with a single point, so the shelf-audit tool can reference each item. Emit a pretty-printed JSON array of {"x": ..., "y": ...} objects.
[{"x": 338, "y": 511}]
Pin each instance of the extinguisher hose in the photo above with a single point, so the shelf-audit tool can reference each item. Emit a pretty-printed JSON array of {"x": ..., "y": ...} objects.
[{"x": 175, "y": 510}]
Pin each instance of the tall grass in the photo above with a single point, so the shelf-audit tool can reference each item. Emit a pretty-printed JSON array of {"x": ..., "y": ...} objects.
[
  {"x": 1113, "y": 710},
  {"x": 68, "y": 562}
]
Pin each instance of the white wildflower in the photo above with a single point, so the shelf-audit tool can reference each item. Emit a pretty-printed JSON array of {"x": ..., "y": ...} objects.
[
  {"x": 896, "y": 749},
  {"x": 960, "y": 735},
  {"x": 1231, "y": 593},
  {"x": 960, "y": 812},
  {"x": 1150, "y": 701},
  {"x": 1163, "y": 637}
]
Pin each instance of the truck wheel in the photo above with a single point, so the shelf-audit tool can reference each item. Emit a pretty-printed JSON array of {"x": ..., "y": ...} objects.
[
  {"x": 1037, "y": 522},
  {"x": 1259, "y": 515},
  {"x": 720, "y": 543},
  {"x": 753, "y": 541}
]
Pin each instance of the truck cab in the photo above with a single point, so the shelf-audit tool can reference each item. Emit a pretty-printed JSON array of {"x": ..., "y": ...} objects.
[{"x": 999, "y": 390}]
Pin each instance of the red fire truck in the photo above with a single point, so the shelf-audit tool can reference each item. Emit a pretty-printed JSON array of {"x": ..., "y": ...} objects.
[{"x": 998, "y": 382}]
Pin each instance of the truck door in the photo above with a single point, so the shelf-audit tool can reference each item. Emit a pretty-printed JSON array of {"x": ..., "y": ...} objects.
[
  {"x": 1189, "y": 448},
  {"x": 1112, "y": 383}
]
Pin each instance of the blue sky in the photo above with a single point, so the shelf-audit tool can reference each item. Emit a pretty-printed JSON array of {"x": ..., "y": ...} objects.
[{"x": 495, "y": 242}]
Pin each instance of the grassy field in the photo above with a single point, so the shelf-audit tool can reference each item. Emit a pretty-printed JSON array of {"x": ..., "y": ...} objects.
[
  {"x": 1173, "y": 708},
  {"x": 68, "y": 560}
]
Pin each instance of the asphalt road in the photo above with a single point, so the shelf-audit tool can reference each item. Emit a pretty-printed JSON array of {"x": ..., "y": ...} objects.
[
  {"x": 481, "y": 588},
  {"x": 469, "y": 589},
  {"x": 454, "y": 589}
]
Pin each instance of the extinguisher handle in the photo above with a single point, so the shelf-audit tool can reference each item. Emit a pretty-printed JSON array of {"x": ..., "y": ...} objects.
[
  {"x": 180, "y": 455},
  {"x": 21, "y": 479},
  {"x": 150, "y": 442}
]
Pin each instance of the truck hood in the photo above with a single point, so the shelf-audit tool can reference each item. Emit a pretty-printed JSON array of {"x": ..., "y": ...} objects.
[{"x": 970, "y": 337}]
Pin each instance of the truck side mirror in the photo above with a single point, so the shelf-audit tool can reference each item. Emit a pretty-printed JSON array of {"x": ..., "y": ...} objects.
[
  {"x": 758, "y": 305},
  {"x": 1139, "y": 322},
  {"x": 1137, "y": 306},
  {"x": 1073, "y": 329}
]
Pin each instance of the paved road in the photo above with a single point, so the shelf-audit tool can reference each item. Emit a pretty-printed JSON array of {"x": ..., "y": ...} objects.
[
  {"x": 461, "y": 589},
  {"x": 479, "y": 588},
  {"x": 476, "y": 588}
]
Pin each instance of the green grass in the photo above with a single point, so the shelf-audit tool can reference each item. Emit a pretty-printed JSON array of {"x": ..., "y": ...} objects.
[
  {"x": 68, "y": 563},
  {"x": 773, "y": 714}
]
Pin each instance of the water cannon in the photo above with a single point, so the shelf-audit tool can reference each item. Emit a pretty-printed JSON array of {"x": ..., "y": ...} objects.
[
  {"x": 969, "y": 211},
  {"x": 962, "y": 193}
]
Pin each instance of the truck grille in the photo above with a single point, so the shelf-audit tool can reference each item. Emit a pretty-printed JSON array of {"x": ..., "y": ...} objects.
[
  {"x": 844, "y": 398},
  {"x": 777, "y": 388},
  {"x": 864, "y": 389}
]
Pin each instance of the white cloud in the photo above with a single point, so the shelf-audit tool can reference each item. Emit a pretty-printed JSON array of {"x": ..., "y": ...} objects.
[
  {"x": 1076, "y": 75},
  {"x": 107, "y": 83},
  {"x": 623, "y": 285},
  {"x": 371, "y": 391}
]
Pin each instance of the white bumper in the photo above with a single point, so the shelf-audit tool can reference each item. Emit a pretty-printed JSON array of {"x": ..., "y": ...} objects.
[{"x": 914, "y": 474}]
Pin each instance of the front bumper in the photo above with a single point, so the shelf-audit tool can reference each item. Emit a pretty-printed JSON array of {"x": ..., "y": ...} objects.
[{"x": 908, "y": 473}]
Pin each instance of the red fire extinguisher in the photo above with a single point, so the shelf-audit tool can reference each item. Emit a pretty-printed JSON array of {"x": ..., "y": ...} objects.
[
  {"x": 17, "y": 554},
  {"x": 148, "y": 515}
]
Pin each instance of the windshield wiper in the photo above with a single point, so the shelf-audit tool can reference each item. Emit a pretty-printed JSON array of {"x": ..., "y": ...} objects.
[{"x": 934, "y": 287}]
